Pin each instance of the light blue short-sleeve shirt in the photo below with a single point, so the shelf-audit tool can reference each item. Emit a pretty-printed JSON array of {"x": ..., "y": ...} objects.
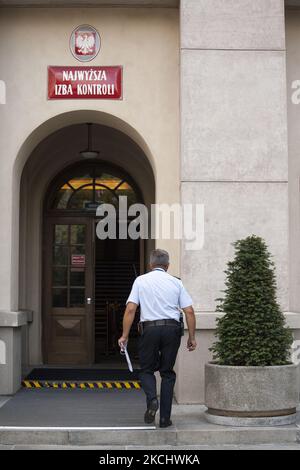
[{"x": 160, "y": 296}]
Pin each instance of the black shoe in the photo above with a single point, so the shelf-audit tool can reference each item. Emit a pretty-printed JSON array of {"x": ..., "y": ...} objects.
[
  {"x": 165, "y": 423},
  {"x": 151, "y": 411}
]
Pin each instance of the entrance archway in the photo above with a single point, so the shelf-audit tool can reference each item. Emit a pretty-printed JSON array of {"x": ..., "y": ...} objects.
[{"x": 51, "y": 165}]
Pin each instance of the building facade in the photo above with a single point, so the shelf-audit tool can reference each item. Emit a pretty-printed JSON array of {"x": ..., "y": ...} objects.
[{"x": 208, "y": 114}]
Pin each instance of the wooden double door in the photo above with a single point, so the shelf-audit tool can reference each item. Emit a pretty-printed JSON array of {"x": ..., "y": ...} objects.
[{"x": 83, "y": 277}]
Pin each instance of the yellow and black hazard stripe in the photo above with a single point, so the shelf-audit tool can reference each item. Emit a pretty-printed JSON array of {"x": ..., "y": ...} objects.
[{"x": 108, "y": 384}]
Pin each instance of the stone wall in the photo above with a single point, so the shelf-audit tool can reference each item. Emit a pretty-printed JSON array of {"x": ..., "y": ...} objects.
[{"x": 233, "y": 147}]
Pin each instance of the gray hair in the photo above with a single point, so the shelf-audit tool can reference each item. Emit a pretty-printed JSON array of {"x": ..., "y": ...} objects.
[{"x": 159, "y": 258}]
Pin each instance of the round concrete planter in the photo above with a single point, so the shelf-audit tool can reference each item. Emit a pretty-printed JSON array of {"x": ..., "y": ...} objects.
[{"x": 243, "y": 396}]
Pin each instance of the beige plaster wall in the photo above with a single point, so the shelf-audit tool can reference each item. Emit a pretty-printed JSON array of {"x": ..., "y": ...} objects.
[{"x": 144, "y": 41}]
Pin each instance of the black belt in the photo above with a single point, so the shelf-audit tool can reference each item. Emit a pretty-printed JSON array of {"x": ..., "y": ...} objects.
[{"x": 160, "y": 323}]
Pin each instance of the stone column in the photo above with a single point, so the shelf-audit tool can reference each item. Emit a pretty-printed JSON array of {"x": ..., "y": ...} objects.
[{"x": 233, "y": 150}]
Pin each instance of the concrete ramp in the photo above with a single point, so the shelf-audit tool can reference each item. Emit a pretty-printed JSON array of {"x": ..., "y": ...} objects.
[
  {"x": 75, "y": 408},
  {"x": 66, "y": 417}
]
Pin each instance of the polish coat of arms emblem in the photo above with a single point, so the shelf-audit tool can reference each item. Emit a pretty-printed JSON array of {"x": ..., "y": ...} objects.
[{"x": 85, "y": 43}]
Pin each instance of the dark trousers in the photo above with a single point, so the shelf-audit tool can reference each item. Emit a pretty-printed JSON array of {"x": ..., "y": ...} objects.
[{"x": 158, "y": 347}]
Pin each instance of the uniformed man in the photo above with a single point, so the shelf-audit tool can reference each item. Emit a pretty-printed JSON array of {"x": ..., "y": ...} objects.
[{"x": 161, "y": 297}]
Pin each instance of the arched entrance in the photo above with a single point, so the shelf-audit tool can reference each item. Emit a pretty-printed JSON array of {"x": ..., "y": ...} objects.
[
  {"x": 59, "y": 192},
  {"x": 86, "y": 280}
]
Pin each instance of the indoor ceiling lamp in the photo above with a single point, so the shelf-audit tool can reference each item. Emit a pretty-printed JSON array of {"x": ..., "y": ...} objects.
[{"x": 89, "y": 153}]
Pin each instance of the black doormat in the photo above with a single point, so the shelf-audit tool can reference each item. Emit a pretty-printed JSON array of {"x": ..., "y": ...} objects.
[{"x": 82, "y": 374}]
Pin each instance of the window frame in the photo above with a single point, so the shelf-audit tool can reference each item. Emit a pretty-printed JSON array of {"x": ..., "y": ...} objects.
[{"x": 80, "y": 169}]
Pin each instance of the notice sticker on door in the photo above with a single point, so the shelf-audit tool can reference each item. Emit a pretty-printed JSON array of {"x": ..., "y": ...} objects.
[{"x": 78, "y": 260}]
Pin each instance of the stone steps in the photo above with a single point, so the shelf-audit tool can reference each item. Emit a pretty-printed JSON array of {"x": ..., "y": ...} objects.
[{"x": 204, "y": 434}]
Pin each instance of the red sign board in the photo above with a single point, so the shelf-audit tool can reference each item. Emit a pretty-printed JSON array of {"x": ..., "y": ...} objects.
[
  {"x": 78, "y": 260},
  {"x": 100, "y": 83}
]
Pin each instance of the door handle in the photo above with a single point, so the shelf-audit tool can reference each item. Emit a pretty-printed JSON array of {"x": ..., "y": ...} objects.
[{"x": 89, "y": 300}]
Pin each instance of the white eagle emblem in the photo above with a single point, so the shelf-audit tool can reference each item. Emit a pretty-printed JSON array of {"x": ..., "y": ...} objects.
[{"x": 85, "y": 42}]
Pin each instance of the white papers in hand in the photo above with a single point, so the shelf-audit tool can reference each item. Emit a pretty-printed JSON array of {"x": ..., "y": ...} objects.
[{"x": 125, "y": 352}]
